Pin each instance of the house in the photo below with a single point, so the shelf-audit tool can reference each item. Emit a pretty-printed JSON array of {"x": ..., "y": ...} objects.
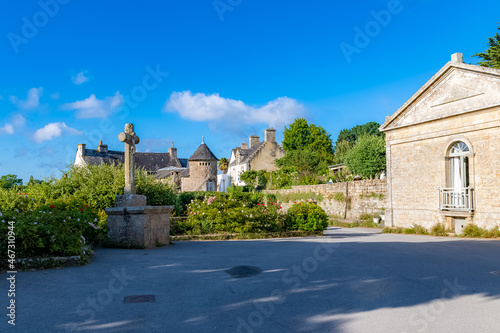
[
  {"x": 443, "y": 161},
  {"x": 255, "y": 155},
  {"x": 198, "y": 173}
]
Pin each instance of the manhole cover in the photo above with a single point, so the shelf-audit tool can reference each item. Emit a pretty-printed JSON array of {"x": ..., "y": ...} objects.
[
  {"x": 243, "y": 271},
  {"x": 497, "y": 273},
  {"x": 139, "y": 299}
]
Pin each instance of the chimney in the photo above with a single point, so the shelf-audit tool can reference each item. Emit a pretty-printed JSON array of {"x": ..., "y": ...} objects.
[
  {"x": 81, "y": 149},
  {"x": 254, "y": 139},
  {"x": 457, "y": 57},
  {"x": 244, "y": 145},
  {"x": 172, "y": 151},
  {"x": 102, "y": 148},
  {"x": 270, "y": 135}
]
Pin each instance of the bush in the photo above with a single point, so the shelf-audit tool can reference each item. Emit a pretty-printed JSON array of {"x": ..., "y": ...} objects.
[
  {"x": 62, "y": 228},
  {"x": 439, "y": 230},
  {"x": 367, "y": 157},
  {"x": 473, "y": 230},
  {"x": 307, "y": 216},
  {"x": 218, "y": 215}
]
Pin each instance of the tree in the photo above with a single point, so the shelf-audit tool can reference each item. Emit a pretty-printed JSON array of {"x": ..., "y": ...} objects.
[
  {"x": 491, "y": 57},
  {"x": 352, "y": 135},
  {"x": 300, "y": 160},
  {"x": 254, "y": 178},
  {"x": 33, "y": 181},
  {"x": 9, "y": 181},
  {"x": 300, "y": 136},
  {"x": 367, "y": 157},
  {"x": 223, "y": 164},
  {"x": 341, "y": 150}
]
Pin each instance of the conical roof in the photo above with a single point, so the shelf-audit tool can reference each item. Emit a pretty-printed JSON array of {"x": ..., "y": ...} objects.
[{"x": 203, "y": 153}]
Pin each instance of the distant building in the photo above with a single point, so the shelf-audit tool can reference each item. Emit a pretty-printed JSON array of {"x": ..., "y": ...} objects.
[
  {"x": 198, "y": 173},
  {"x": 255, "y": 155}
]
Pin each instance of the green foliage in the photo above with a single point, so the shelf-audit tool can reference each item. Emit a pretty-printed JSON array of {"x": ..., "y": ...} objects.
[
  {"x": 361, "y": 224},
  {"x": 352, "y": 135},
  {"x": 248, "y": 214},
  {"x": 9, "y": 181},
  {"x": 474, "y": 231},
  {"x": 491, "y": 57},
  {"x": 416, "y": 229},
  {"x": 367, "y": 157},
  {"x": 282, "y": 178},
  {"x": 342, "y": 148},
  {"x": 307, "y": 216},
  {"x": 302, "y": 160},
  {"x": 223, "y": 164},
  {"x": 303, "y": 136},
  {"x": 255, "y": 178},
  {"x": 339, "y": 196},
  {"x": 63, "y": 228},
  {"x": 438, "y": 230}
]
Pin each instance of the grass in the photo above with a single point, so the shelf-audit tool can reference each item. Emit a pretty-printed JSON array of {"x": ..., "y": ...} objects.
[
  {"x": 358, "y": 224},
  {"x": 379, "y": 196},
  {"x": 293, "y": 197},
  {"x": 247, "y": 236},
  {"x": 473, "y": 231},
  {"x": 416, "y": 229}
]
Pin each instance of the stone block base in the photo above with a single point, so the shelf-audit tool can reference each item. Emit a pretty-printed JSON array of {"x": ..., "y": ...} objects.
[
  {"x": 144, "y": 226},
  {"x": 130, "y": 200}
]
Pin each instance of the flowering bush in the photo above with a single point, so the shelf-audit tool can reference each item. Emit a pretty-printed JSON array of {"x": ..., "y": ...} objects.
[
  {"x": 307, "y": 216},
  {"x": 218, "y": 214},
  {"x": 63, "y": 227}
]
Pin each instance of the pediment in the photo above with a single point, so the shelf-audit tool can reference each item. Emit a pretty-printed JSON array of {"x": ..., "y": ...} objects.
[{"x": 456, "y": 89}]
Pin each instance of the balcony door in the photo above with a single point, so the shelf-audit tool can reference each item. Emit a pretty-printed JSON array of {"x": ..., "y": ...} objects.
[{"x": 459, "y": 166}]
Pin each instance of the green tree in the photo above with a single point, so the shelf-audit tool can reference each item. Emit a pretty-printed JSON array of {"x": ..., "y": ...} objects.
[
  {"x": 9, "y": 181},
  {"x": 254, "y": 178},
  {"x": 367, "y": 157},
  {"x": 341, "y": 150},
  {"x": 300, "y": 136},
  {"x": 223, "y": 164},
  {"x": 352, "y": 135},
  {"x": 300, "y": 160},
  {"x": 491, "y": 57}
]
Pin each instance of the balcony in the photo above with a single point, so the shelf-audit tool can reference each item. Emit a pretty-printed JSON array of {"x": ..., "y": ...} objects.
[{"x": 456, "y": 199}]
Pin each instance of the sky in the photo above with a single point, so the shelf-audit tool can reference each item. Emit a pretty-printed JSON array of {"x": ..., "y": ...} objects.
[{"x": 75, "y": 71}]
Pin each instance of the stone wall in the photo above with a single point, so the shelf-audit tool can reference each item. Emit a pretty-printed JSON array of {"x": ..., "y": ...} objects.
[
  {"x": 200, "y": 172},
  {"x": 364, "y": 197}
]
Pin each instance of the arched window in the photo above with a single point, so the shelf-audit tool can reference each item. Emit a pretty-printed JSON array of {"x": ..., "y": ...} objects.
[{"x": 459, "y": 165}]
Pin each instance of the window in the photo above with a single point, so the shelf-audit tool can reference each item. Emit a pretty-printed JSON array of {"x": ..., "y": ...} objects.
[
  {"x": 459, "y": 165},
  {"x": 210, "y": 186}
]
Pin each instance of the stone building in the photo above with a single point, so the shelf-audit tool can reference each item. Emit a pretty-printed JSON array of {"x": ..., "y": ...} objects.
[
  {"x": 198, "y": 173},
  {"x": 202, "y": 172},
  {"x": 255, "y": 155},
  {"x": 443, "y": 161}
]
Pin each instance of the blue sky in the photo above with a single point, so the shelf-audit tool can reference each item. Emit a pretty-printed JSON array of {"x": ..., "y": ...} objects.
[{"x": 76, "y": 71}]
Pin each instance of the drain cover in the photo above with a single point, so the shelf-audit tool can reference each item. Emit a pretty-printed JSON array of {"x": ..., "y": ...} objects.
[
  {"x": 139, "y": 299},
  {"x": 497, "y": 273},
  {"x": 238, "y": 272}
]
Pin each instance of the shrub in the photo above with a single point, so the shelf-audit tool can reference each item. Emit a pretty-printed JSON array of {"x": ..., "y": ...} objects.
[
  {"x": 293, "y": 197},
  {"x": 307, "y": 216},
  {"x": 439, "y": 230},
  {"x": 62, "y": 228},
  {"x": 367, "y": 157},
  {"x": 339, "y": 196},
  {"x": 216, "y": 215}
]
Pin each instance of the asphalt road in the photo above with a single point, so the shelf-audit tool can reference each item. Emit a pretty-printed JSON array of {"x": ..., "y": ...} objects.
[{"x": 351, "y": 280}]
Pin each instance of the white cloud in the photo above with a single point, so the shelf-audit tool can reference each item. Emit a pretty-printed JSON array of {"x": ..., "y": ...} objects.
[
  {"x": 95, "y": 108},
  {"x": 80, "y": 78},
  {"x": 55, "y": 96},
  {"x": 32, "y": 100},
  {"x": 16, "y": 122},
  {"x": 213, "y": 108},
  {"x": 7, "y": 129},
  {"x": 54, "y": 130}
]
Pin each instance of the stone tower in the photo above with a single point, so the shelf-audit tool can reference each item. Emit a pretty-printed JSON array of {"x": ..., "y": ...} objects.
[{"x": 202, "y": 170}]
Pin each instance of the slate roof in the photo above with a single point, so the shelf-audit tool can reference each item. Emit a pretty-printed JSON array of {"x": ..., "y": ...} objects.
[
  {"x": 149, "y": 161},
  {"x": 203, "y": 153}
]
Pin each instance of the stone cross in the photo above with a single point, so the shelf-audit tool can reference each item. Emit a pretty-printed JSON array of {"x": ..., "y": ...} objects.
[{"x": 130, "y": 139}]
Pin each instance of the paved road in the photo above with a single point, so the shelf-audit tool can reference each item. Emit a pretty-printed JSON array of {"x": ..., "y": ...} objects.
[{"x": 351, "y": 280}]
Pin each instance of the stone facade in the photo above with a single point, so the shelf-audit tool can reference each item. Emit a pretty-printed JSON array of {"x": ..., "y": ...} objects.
[
  {"x": 256, "y": 155},
  {"x": 363, "y": 197},
  {"x": 459, "y": 105},
  {"x": 202, "y": 171}
]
